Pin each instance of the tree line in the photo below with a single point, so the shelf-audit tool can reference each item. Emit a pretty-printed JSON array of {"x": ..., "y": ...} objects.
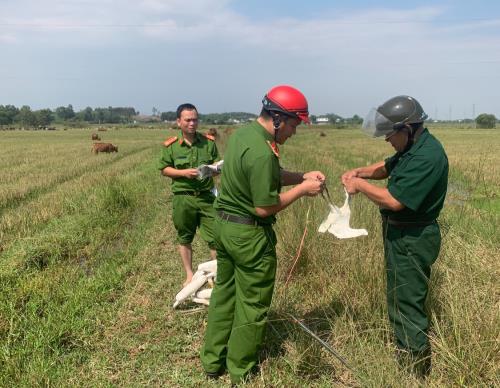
[
  {"x": 214, "y": 118},
  {"x": 26, "y": 117}
]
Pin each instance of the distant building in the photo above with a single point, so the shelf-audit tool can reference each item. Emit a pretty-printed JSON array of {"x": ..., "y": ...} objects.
[
  {"x": 146, "y": 119},
  {"x": 322, "y": 120}
]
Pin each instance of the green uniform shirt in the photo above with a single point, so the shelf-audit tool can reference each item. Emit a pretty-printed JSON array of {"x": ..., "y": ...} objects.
[
  {"x": 251, "y": 173},
  {"x": 418, "y": 179},
  {"x": 181, "y": 155}
]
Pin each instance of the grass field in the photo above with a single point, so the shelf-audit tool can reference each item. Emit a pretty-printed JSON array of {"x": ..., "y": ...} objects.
[{"x": 89, "y": 269}]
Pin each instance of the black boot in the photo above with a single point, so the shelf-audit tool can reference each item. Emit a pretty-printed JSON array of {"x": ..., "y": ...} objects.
[
  {"x": 418, "y": 363},
  {"x": 215, "y": 375}
]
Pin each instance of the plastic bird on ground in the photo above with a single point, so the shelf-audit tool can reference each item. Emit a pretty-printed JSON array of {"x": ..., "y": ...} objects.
[
  {"x": 206, "y": 273},
  {"x": 337, "y": 221}
]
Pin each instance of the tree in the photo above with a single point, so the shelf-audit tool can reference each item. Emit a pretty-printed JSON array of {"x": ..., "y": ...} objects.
[
  {"x": 99, "y": 115},
  {"x": 8, "y": 114},
  {"x": 43, "y": 117},
  {"x": 65, "y": 113},
  {"x": 85, "y": 114},
  {"x": 112, "y": 115},
  {"x": 356, "y": 120},
  {"x": 168, "y": 116},
  {"x": 485, "y": 120},
  {"x": 26, "y": 117}
]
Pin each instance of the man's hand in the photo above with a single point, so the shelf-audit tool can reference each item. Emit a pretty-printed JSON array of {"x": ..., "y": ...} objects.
[
  {"x": 311, "y": 187},
  {"x": 350, "y": 184},
  {"x": 318, "y": 175},
  {"x": 190, "y": 173},
  {"x": 348, "y": 175}
]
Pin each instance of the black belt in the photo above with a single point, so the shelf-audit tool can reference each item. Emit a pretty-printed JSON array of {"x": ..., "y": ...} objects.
[
  {"x": 192, "y": 193},
  {"x": 237, "y": 219},
  {"x": 407, "y": 224}
]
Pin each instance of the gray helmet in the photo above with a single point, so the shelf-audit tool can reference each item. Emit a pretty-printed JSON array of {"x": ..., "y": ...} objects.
[{"x": 393, "y": 115}]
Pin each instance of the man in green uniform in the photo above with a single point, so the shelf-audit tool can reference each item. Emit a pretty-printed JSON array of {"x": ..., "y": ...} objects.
[
  {"x": 192, "y": 205},
  {"x": 417, "y": 182},
  {"x": 246, "y": 257}
]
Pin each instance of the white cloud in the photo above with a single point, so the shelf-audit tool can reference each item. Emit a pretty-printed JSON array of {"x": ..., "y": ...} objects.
[
  {"x": 381, "y": 50},
  {"x": 103, "y": 22}
]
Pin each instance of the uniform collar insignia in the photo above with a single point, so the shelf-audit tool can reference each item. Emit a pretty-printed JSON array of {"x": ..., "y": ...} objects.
[{"x": 274, "y": 148}]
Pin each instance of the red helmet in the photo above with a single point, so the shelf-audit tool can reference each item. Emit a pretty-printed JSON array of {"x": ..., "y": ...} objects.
[{"x": 288, "y": 100}]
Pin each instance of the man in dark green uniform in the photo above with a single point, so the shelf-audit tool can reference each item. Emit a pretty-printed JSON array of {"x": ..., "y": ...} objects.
[
  {"x": 417, "y": 182},
  {"x": 250, "y": 197},
  {"x": 192, "y": 205}
]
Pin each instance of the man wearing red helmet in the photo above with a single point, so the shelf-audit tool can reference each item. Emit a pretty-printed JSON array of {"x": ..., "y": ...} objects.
[{"x": 250, "y": 196}]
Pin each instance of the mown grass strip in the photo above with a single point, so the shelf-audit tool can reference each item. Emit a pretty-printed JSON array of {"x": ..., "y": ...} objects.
[
  {"x": 66, "y": 198},
  {"x": 50, "y": 302},
  {"x": 14, "y": 200}
]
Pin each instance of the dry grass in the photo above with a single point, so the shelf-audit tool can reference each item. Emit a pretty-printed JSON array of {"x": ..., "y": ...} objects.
[{"x": 89, "y": 269}]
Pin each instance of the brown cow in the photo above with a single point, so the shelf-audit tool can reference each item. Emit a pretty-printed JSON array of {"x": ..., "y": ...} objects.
[
  {"x": 95, "y": 136},
  {"x": 103, "y": 147}
]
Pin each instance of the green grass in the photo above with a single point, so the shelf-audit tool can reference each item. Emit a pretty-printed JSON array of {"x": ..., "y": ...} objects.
[{"x": 89, "y": 269}]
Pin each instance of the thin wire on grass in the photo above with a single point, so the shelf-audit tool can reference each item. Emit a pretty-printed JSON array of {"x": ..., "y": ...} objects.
[
  {"x": 323, "y": 343},
  {"x": 299, "y": 322},
  {"x": 191, "y": 311},
  {"x": 299, "y": 250}
]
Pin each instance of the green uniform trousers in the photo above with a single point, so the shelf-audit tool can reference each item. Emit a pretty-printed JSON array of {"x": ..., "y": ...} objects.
[
  {"x": 190, "y": 212},
  {"x": 246, "y": 270},
  {"x": 409, "y": 254}
]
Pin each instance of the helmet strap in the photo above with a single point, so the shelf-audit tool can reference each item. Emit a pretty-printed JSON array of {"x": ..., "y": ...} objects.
[
  {"x": 276, "y": 124},
  {"x": 411, "y": 137}
]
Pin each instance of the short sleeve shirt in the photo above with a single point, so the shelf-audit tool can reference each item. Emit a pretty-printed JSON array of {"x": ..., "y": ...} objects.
[
  {"x": 251, "y": 173},
  {"x": 180, "y": 155},
  {"x": 418, "y": 179}
]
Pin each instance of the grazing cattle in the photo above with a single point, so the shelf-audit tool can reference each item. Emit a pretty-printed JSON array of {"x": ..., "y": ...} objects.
[
  {"x": 212, "y": 132},
  {"x": 322, "y": 134},
  {"x": 102, "y": 129},
  {"x": 95, "y": 136},
  {"x": 103, "y": 147}
]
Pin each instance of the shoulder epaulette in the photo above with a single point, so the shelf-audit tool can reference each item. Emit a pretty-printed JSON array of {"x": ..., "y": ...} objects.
[
  {"x": 209, "y": 137},
  {"x": 170, "y": 141}
]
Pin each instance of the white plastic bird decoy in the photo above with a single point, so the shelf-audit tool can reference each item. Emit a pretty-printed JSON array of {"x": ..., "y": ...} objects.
[
  {"x": 337, "y": 221},
  {"x": 208, "y": 170},
  {"x": 206, "y": 272}
]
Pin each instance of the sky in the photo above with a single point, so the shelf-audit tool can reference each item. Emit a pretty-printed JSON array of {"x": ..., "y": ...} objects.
[{"x": 224, "y": 55}]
